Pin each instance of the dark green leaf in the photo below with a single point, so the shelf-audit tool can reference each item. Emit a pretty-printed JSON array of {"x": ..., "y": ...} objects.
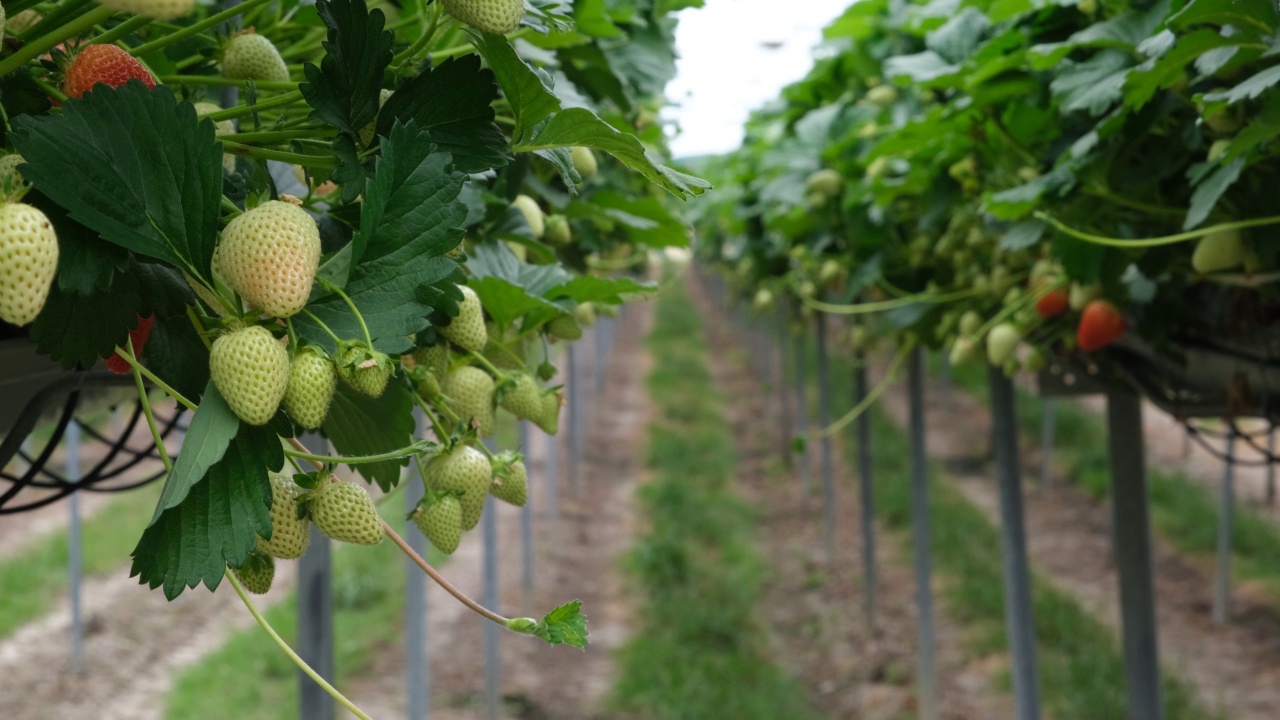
[
  {"x": 1093, "y": 85},
  {"x": 592, "y": 18},
  {"x": 1209, "y": 190},
  {"x": 454, "y": 102},
  {"x": 531, "y": 100},
  {"x": 578, "y": 126},
  {"x": 134, "y": 166},
  {"x": 76, "y": 330},
  {"x": 1022, "y": 235},
  {"x": 178, "y": 356},
  {"x": 1249, "y": 89},
  {"x": 86, "y": 262},
  {"x": 217, "y": 520},
  {"x": 344, "y": 90},
  {"x": 410, "y": 219},
  {"x": 212, "y": 429},
  {"x": 361, "y": 425},
  {"x": 1255, "y": 14}
]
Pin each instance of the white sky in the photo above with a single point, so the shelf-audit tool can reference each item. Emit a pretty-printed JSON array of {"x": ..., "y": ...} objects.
[{"x": 725, "y": 70}]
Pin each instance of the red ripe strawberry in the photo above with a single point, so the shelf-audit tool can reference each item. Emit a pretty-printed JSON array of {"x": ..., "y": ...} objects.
[
  {"x": 108, "y": 64},
  {"x": 1053, "y": 303},
  {"x": 1100, "y": 324},
  {"x": 116, "y": 363}
]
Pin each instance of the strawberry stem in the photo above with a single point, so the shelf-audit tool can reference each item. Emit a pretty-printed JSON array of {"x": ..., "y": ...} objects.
[
  {"x": 335, "y": 289},
  {"x": 874, "y": 394},
  {"x": 138, "y": 367},
  {"x": 228, "y": 82},
  {"x": 441, "y": 581},
  {"x": 241, "y": 110},
  {"x": 1156, "y": 241},
  {"x": 41, "y": 45},
  {"x": 284, "y": 646},
  {"x": 195, "y": 28},
  {"x": 119, "y": 31},
  {"x": 146, "y": 407},
  {"x": 406, "y": 451},
  {"x": 436, "y": 426},
  {"x": 485, "y": 362},
  {"x": 323, "y": 327},
  {"x": 281, "y": 155}
]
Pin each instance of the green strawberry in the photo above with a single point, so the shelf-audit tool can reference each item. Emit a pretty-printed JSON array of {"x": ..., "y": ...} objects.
[
  {"x": 467, "y": 330},
  {"x": 549, "y": 419},
  {"x": 585, "y": 314},
  {"x": 434, "y": 358},
  {"x": 10, "y": 178},
  {"x": 441, "y": 522},
  {"x": 344, "y": 512},
  {"x": 312, "y": 380},
  {"x": 558, "y": 232},
  {"x": 492, "y": 16},
  {"x": 584, "y": 161},
  {"x": 366, "y": 132},
  {"x": 564, "y": 327},
  {"x": 251, "y": 370},
  {"x": 1001, "y": 342},
  {"x": 962, "y": 351},
  {"x": 826, "y": 182},
  {"x": 250, "y": 56},
  {"x": 522, "y": 397},
  {"x": 28, "y": 262},
  {"x": 510, "y": 479},
  {"x": 256, "y": 572},
  {"x": 425, "y": 383},
  {"x": 970, "y": 322},
  {"x": 269, "y": 255},
  {"x": 466, "y": 472},
  {"x": 470, "y": 391},
  {"x": 364, "y": 369},
  {"x": 532, "y": 214},
  {"x": 290, "y": 534},
  {"x": 1221, "y": 250}
]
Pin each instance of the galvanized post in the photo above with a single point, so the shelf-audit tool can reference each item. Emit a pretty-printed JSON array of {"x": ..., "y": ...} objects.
[
  {"x": 1017, "y": 576},
  {"x": 315, "y": 617},
  {"x": 824, "y": 419},
  {"x": 417, "y": 670},
  {"x": 553, "y": 489},
  {"x": 526, "y": 522},
  {"x": 492, "y": 663},
  {"x": 75, "y": 561},
  {"x": 1048, "y": 422},
  {"x": 802, "y": 419},
  {"x": 1226, "y": 517},
  {"x": 920, "y": 536},
  {"x": 574, "y": 391},
  {"x": 1131, "y": 533},
  {"x": 867, "y": 496}
]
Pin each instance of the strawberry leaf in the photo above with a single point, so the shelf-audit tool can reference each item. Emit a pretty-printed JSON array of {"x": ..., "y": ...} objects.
[
  {"x": 134, "y": 166},
  {"x": 579, "y": 126},
  {"x": 76, "y": 330},
  {"x": 411, "y": 216},
  {"x": 360, "y": 425},
  {"x": 454, "y": 102},
  {"x": 530, "y": 96},
  {"x": 564, "y": 625},
  {"x": 344, "y": 90},
  {"x": 214, "y": 505}
]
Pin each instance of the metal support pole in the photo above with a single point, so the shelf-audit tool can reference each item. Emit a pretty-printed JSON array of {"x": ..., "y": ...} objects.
[
  {"x": 553, "y": 490},
  {"x": 1048, "y": 428},
  {"x": 575, "y": 391},
  {"x": 1019, "y": 620},
  {"x": 944, "y": 376},
  {"x": 417, "y": 670},
  {"x": 784, "y": 403},
  {"x": 802, "y": 419},
  {"x": 920, "y": 535},
  {"x": 1131, "y": 533},
  {"x": 492, "y": 663},
  {"x": 315, "y": 617},
  {"x": 824, "y": 419},
  {"x": 1226, "y": 518},
  {"x": 867, "y": 496},
  {"x": 526, "y": 523},
  {"x": 75, "y": 558}
]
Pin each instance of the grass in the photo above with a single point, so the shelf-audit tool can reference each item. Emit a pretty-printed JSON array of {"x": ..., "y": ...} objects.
[
  {"x": 1081, "y": 668},
  {"x": 1183, "y": 512},
  {"x": 39, "y": 573},
  {"x": 699, "y": 650}
]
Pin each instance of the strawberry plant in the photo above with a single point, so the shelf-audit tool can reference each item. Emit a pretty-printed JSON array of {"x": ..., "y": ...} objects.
[
  {"x": 1019, "y": 162},
  {"x": 326, "y": 216}
]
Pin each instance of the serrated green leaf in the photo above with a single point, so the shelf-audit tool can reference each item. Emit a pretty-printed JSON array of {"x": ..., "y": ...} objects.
[
  {"x": 178, "y": 356},
  {"x": 1093, "y": 85},
  {"x": 562, "y": 160},
  {"x": 564, "y": 625},
  {"x": 923, "y": 67},
  {"x": 1209, "y": 190},
  {"x": 212, "y": 429},
  {"x": 344, "y": 90},
  {"x": 531, "y": 100},
  {"x": 134, "y": 166},
  {"x": 959, "y": 37},
  {"x": 579, "y": 126},
  {"x": 592, "y": 18},
  {"x": 76, "y": 330},
  {"x": 85, "y": 262},
  {"x": 506, "y": 301},
  {"x": 1259, "y": 16},
  {"x": 1249, "y": 89},
  {"x": 1022, "y": 235},
  {"x": 645, "y": 220},
  {"x": 217, "y": 519},
  {"x": 361, "y": 425},
  {"x": 410, "y": 218},
  {"x": 453, "y": 101}
]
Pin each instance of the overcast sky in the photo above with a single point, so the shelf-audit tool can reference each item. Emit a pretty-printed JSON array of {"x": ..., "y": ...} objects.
[{"x": 728, "y": 67}]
